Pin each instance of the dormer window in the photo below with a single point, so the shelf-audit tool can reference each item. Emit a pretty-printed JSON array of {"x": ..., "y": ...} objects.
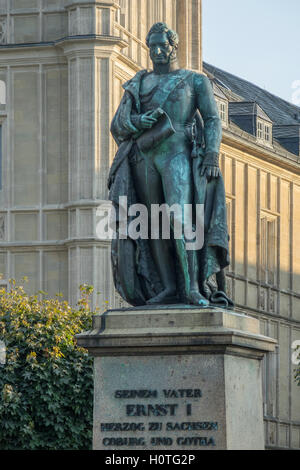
[
  {"x": 223, "y": 111},
  {"x": 222, "y": 103},
  {"x": 250, "y": 117},
  {"x": 264, "y": 131},
  {"x": 267, "y": 133},
  {"x": 260, "y": 130}
]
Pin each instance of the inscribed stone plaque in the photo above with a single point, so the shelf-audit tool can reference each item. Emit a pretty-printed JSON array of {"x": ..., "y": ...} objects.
[{"x": 166, "y": 402}]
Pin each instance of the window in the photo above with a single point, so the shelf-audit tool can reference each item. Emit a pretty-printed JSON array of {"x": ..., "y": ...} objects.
[
  {"x": 264, "y": 131},
  {"x": 259, "y": 130},
  {"x": 222, "y": 107},
  {"x": 223, "y": 111},
  {"x": 268, "y": 249},
  {"x": 267, "y": 133}
]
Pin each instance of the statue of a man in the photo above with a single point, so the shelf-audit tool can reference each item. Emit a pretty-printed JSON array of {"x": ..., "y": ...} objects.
[{"x": 169, "y": 132}]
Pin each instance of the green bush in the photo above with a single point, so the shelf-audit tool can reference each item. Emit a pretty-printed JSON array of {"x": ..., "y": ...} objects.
[{"x": 46, "y": 384}]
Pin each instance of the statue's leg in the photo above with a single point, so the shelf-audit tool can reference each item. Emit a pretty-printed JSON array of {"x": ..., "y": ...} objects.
[
  {"x": 149, "y": 191},
  {"x": 178, "y": 189}
]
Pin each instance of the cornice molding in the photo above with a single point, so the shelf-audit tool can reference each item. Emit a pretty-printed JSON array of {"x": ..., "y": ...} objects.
[
  {"x": 61, "y": 245},
  {"x": 264, "y": 154},
  {"x": 78, "y": 204},
  {"x": 70, "y": 43},
  {"x": 107, "y": 40},
  {"x": 97, "y": 3}
]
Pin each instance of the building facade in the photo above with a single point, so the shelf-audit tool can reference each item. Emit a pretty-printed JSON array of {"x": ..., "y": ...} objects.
[
  {"x": 62, "y": 66},
  {"x": 63, "y": 63},
  {"x": 261, "y": 174}
]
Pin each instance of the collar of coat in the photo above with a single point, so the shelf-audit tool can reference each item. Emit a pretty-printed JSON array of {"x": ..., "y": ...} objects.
[{"x": 133, "y": 85}]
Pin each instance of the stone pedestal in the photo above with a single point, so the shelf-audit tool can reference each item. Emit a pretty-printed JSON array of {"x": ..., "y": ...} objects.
[{"x": 177, "y": 378}]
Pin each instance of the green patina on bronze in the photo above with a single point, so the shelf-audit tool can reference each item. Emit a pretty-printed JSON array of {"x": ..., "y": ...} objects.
[{"x": 168, "y": 132}]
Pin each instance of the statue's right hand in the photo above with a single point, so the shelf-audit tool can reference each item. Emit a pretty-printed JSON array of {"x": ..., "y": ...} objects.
[{"x": 147, "y": 120}]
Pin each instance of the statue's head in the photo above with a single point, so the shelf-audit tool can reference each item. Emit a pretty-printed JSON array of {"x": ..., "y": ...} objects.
[{"x": 162, "y": 43}]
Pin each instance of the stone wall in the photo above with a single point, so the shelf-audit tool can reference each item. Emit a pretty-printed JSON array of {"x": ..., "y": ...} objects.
[
  {"x": 260, "y": 192},
  {"x": 63, "y": 63}
]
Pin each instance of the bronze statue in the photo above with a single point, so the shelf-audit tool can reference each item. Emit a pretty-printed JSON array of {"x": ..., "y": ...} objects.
[{"x": 168, "y": 132}]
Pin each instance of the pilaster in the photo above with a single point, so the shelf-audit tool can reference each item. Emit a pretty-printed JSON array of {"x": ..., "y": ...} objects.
[
  {"x": 90, "y": 51},
  {"x": 190, "y": 33}
]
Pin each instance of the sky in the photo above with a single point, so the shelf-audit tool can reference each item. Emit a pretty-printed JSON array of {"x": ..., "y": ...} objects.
[{"x": 258, "y": 40}]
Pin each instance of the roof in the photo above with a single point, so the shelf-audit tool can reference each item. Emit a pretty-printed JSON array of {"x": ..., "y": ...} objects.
[
  {"x": 218, "y": 91},
  {"x": 281, "y": 112},
  {"x": 247, "y": 108}
]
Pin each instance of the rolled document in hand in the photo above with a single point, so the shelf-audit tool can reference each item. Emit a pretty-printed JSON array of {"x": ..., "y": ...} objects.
[{"x": 161, "y": 130}]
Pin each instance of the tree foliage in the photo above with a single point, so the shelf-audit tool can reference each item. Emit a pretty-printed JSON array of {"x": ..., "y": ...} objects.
[{"x": 46, "y": 383}]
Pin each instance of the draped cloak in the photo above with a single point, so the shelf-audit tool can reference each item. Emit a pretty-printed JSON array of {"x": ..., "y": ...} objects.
[{"x": 134, "y": 272}]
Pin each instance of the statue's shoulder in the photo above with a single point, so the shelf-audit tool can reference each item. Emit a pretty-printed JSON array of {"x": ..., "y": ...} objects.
[
  {"x": 200, "y": 78},
  {"x": 196, "y": 78},
  {"x": 136, "y": 80}
]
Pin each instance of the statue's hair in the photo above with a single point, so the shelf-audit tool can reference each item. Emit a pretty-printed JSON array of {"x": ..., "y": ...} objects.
[{"x": 163, "y": 28}]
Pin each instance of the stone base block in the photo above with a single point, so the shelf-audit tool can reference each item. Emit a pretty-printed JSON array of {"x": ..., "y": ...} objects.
[{"x": 177, "y": 378}]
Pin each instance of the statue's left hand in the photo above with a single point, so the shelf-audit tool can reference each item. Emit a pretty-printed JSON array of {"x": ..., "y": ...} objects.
[
  {"x": 210, "y": 165},
  {"x": 210, "y": 171}
]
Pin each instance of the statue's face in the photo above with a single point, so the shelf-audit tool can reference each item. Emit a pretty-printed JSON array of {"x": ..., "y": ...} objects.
[{"x": 160, "y": 48}]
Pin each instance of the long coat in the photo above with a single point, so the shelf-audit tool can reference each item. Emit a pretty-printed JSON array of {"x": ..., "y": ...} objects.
[{"x": 135, "y": 275}]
